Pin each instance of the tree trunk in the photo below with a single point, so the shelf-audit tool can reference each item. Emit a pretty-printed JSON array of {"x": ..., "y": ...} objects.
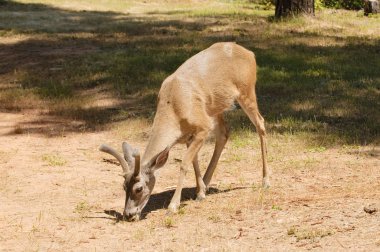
[{"x": 294, "y": 7}]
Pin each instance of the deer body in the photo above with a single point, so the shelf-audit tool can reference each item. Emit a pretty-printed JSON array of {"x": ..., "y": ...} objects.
[
  {"x": 198, "y": 92},
  {"x": 191, "y": 104}
]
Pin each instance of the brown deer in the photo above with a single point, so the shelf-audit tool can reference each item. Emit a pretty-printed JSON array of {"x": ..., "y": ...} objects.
[{"x": 191, "y": 103}]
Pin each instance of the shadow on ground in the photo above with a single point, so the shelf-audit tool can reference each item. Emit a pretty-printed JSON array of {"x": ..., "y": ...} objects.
[
  {"x": 161, "y": 200},
  {"x": 65, "y": 59}
]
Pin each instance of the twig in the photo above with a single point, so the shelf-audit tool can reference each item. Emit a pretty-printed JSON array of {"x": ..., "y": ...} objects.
[{"x": 340, "y": 243}]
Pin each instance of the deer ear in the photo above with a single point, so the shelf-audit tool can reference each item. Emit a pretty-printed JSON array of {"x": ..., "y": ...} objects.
[
  {"x": 160, "y": 159},
  {"x": 128, "y": 154}
]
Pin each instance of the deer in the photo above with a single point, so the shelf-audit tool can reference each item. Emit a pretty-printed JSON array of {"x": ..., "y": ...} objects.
[{"x": 191, "y": 104}]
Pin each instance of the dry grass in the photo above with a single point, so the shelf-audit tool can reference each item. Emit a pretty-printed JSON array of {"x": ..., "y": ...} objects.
[
  {"x": 308, "y": 233},
  {"x": 309, "y": 81},
  {"x": 53, "y": 160}
]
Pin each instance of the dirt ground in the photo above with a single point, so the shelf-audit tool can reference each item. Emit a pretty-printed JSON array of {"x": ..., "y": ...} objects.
[{"x": 60, "y": 193}]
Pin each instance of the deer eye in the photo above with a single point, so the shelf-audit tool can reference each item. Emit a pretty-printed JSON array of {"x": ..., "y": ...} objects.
[{"x": 139, "y": 189}]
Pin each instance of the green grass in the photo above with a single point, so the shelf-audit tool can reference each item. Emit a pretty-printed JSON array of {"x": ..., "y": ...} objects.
[
  {"x": 309, "y": 233},
  {"x": 82, "y": 208},
  {"x": 318, "y": 78},
  {"x": 53, "y": 160},
  {"x": 169, "y": 222}
]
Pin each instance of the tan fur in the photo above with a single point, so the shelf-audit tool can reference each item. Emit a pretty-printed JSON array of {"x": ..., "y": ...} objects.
[{"x": 191, "y": 104}]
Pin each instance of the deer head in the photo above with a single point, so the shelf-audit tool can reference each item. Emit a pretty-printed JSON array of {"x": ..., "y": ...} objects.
[{"x": 139, "y": 180}]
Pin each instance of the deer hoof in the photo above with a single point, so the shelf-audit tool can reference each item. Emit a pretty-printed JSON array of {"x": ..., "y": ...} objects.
[
  {"x": 173, "y": 208},
  {"x": 200, "y": 196}
]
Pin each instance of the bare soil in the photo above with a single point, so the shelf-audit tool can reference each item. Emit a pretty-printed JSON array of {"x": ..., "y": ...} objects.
[{"x": 75, "y": 205}]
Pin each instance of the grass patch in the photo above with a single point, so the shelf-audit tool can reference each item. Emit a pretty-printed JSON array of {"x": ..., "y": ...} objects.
[
  {"x": 82, "y": 208},
  {"x": 17, "y": 99},
  {"x": 317, "y": 149},
  {"x": 139, "y": 235},
  {"x": 54, "y": 90},
  {"x": 277, "y": 208},
  {"x": 308, "y": 233},
  {"x": 53, "y": 160},
  {"x": 66, "y": 57},
  {"x": 214, "y": 218},
  {"x": 243, "y": 139},
  {"x": 169, "y": 222}
]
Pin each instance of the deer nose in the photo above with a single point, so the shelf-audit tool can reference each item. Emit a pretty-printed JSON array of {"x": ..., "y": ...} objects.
[{"x": 131, "y": 215}]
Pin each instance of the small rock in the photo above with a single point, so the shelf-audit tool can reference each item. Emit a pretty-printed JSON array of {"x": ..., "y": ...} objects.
[{"x": 371, "y": 209}]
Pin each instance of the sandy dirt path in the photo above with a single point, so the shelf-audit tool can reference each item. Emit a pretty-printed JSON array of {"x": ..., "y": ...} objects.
[{"x": 60, "y": 194}]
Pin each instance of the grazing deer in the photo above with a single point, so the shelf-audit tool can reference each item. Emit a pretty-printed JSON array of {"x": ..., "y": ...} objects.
[{"x": 191, "y": 103}]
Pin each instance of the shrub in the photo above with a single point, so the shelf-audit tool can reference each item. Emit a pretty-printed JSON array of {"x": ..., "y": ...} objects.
[
  {"x": 319, "y": 4},
  {"x": 345, "y": 4}
]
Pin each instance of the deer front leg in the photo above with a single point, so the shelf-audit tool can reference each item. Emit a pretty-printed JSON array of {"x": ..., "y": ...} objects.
[
  {"x": 201, "y": 187},
  {"x": 189, "y": 158},
  {"x": 221, "y": 136}
]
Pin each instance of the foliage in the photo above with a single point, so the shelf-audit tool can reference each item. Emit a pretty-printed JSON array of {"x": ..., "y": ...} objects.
[
  {"x": 266, "y": 3},
  {"x": 344, "y": 4},
  {"x": 318, "y": 4}
]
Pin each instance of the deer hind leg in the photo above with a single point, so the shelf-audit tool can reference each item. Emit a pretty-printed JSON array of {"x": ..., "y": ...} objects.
[
  {"x": 249, "y": 104},
  {"x": 221, "y": 137},
  {"x": 190, "y": 155},
  {"x": 201, "y": 188}
]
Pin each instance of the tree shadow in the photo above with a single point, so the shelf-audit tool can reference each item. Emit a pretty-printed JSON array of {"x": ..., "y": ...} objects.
[
  {"x": 325, "y": 85},
  {"x": 67, "y": 68},
  {"x": 64, "y": 58}
]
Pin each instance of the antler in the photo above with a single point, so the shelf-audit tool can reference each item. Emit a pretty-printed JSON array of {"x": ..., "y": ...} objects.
[
  {"x": 107, "y": 149},
  {"x": 136, "y": 155},
  {"x": 132, "y": 156}
]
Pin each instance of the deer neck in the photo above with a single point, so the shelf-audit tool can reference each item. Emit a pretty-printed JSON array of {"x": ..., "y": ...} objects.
[{"x": 165, "y": 132}]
